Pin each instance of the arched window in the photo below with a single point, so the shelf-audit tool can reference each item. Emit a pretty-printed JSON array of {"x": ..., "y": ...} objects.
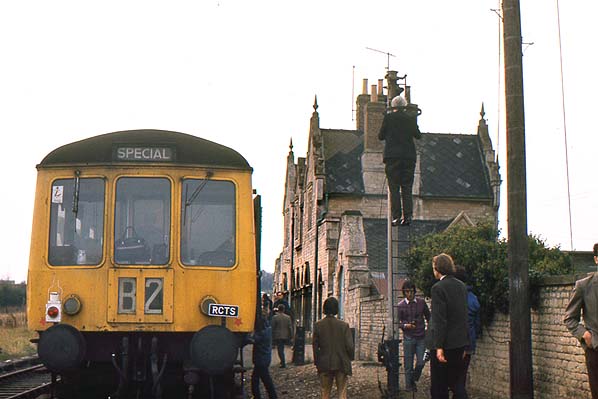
[{"x": 341, "y": 292}]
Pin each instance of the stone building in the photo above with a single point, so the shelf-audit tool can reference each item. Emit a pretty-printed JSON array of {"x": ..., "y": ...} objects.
[{"x": 335, "y": 204}]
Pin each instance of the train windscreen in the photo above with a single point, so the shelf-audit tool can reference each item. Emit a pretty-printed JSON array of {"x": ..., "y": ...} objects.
[
  {"x": 142, "y": 221},
  {"x": 76, "y": 222},
  {"x": 208, "y": 223}
]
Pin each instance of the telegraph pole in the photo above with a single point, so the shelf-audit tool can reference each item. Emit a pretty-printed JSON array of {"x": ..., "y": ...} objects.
[{"x": 520, "y": 348}]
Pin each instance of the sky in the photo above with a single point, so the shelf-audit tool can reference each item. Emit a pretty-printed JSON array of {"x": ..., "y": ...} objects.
[{"x": 245, "y": 73}]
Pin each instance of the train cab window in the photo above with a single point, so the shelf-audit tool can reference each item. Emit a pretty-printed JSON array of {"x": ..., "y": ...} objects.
[
  {"x": 76, "y": 222},
  {"x": 142, "y": 221},
  {"x": 208, "y": 223}
]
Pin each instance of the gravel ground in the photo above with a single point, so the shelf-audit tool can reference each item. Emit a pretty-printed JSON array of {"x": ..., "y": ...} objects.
[
  {"x": 301, "y": 382},
  {"x": 367, "y": 382}
]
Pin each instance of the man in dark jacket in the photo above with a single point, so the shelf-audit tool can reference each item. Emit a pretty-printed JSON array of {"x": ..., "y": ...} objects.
[
  {"x": 333, "y": 350},
  {"x": 280, "y": 300},
  {"x": 398, "y": 130},
  {"x": 449, "y": 330},
  {"x": 262, "y": 356}
]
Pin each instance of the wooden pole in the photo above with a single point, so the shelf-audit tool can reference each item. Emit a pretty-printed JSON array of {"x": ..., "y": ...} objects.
[{"x": 520, "y": 351}]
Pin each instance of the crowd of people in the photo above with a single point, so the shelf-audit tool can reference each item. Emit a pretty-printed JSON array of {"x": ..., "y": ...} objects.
[
  {"x": 446, "y": 334},
  {"x": 333, "y": 347}
]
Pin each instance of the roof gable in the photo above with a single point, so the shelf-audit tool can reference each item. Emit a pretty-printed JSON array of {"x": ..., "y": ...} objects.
[{"x": 342, "y": 154}]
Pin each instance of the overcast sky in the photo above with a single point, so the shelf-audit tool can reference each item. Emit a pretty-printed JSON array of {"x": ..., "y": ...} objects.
[{"x": 244, "y": 74}]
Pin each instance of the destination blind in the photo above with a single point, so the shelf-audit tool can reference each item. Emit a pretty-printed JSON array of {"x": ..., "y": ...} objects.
[{"x": 143, "y": 153}]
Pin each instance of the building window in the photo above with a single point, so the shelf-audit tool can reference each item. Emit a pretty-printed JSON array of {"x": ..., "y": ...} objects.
[
  {"x": 297, "y": 223},
  {"x": 341, "y": 292},
  {"x": 309, "y": 212},
  {"x": 287, "y": 227}
]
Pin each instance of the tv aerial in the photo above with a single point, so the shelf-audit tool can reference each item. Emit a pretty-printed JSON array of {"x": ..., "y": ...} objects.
[{"x": 388, "y": 55}]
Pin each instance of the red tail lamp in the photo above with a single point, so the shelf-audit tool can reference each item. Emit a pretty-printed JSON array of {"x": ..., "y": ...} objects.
[{"x": 53, "y": 311}]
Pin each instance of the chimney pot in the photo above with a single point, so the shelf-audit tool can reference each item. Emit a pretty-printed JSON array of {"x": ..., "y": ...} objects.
[
  {"x": 380, "y": 86},
  {"x": 364, "y": 89},
  {"x": 408, "y": 94},
  {"x": 374, "y": 93}
]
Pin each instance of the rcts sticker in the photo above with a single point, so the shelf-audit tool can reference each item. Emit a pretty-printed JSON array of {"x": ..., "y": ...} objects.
[{"x": 57, "y": 194}]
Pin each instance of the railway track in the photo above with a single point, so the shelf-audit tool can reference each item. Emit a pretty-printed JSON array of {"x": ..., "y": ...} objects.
[{"x": 25, "y": 378}]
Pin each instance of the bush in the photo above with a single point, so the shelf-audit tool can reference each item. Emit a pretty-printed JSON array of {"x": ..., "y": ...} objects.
[
  {"x": 12, "y": 295},
  {"x": 484, "y": 256}
]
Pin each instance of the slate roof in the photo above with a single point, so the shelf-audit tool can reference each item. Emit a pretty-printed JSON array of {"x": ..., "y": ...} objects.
[
  {"x": 375, "y": 236},
  {"x": 342, "y": 154},
  {"x": 452, "y": 165}
]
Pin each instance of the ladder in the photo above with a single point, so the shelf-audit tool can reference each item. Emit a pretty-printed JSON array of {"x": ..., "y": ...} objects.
[{"x": 399, "y": 244}]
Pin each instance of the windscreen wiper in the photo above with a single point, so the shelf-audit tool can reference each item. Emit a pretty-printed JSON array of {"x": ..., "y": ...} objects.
[{"x": 76, "y": 192}]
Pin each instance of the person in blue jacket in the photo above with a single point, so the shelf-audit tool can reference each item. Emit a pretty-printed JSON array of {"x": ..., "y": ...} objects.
[
  {"x": 262, "y": 356},
  {"x": 473, "y": 321}
]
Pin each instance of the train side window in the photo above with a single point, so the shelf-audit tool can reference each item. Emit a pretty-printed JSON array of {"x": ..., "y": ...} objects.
[
  {"x": 208, "y": 223},
  {"x": 142, "y": 221},
  {"x": 76, "y": 238}
]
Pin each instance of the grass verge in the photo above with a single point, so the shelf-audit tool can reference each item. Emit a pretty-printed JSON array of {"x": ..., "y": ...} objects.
[{"x": 14, "y": 343}]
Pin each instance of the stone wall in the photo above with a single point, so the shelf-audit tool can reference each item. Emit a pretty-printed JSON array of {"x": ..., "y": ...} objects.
[
  {"x": 558, "y": 360},
  {"x": 442, "y": 209},
  {"x": 369, "y": 327}
]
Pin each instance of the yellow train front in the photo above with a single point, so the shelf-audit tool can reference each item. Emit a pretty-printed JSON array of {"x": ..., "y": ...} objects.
[{"x": 143, "y": 273}]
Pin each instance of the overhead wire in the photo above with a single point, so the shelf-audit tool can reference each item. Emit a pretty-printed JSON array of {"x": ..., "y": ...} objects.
[{"x": 558, "y": 16}]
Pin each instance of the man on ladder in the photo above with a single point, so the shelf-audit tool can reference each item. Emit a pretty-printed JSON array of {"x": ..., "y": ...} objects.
[{"x": 398, "y": 130}]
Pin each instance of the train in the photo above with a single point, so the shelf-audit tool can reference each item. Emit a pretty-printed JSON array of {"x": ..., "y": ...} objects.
[{"x": 143, "y": 276}]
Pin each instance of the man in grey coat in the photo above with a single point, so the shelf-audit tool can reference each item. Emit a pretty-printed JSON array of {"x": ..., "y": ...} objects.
[
  {"x": 585, "y": 300},
  {"x": 333, "y": 350},
  {"x": 282, "y": 332}
]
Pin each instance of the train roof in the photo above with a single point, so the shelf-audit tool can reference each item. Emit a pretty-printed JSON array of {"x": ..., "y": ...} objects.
[{"x": 183, "y": 149}]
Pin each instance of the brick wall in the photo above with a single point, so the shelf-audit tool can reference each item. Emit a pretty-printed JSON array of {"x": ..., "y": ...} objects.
[{"x": 558, "y": 360}]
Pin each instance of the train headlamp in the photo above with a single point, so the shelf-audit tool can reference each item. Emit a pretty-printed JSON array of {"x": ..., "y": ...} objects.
[
  {"x": 205, "y": 303},
  {"x": 72, "y": 305}
]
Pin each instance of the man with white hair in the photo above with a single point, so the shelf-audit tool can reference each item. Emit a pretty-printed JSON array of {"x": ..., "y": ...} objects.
[{"x": 398, "y": 130}]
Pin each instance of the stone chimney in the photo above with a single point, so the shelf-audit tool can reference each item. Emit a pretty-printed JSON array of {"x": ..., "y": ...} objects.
[
  {"x": 374, "y": 114},
  {"x": 392, "y": 82},
  {"x": 372, "y": 167},
  {"x": 362, "y": 100}
]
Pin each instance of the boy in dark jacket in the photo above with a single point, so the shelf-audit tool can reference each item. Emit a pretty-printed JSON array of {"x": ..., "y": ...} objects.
[{"x": 262, "y": 356}]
